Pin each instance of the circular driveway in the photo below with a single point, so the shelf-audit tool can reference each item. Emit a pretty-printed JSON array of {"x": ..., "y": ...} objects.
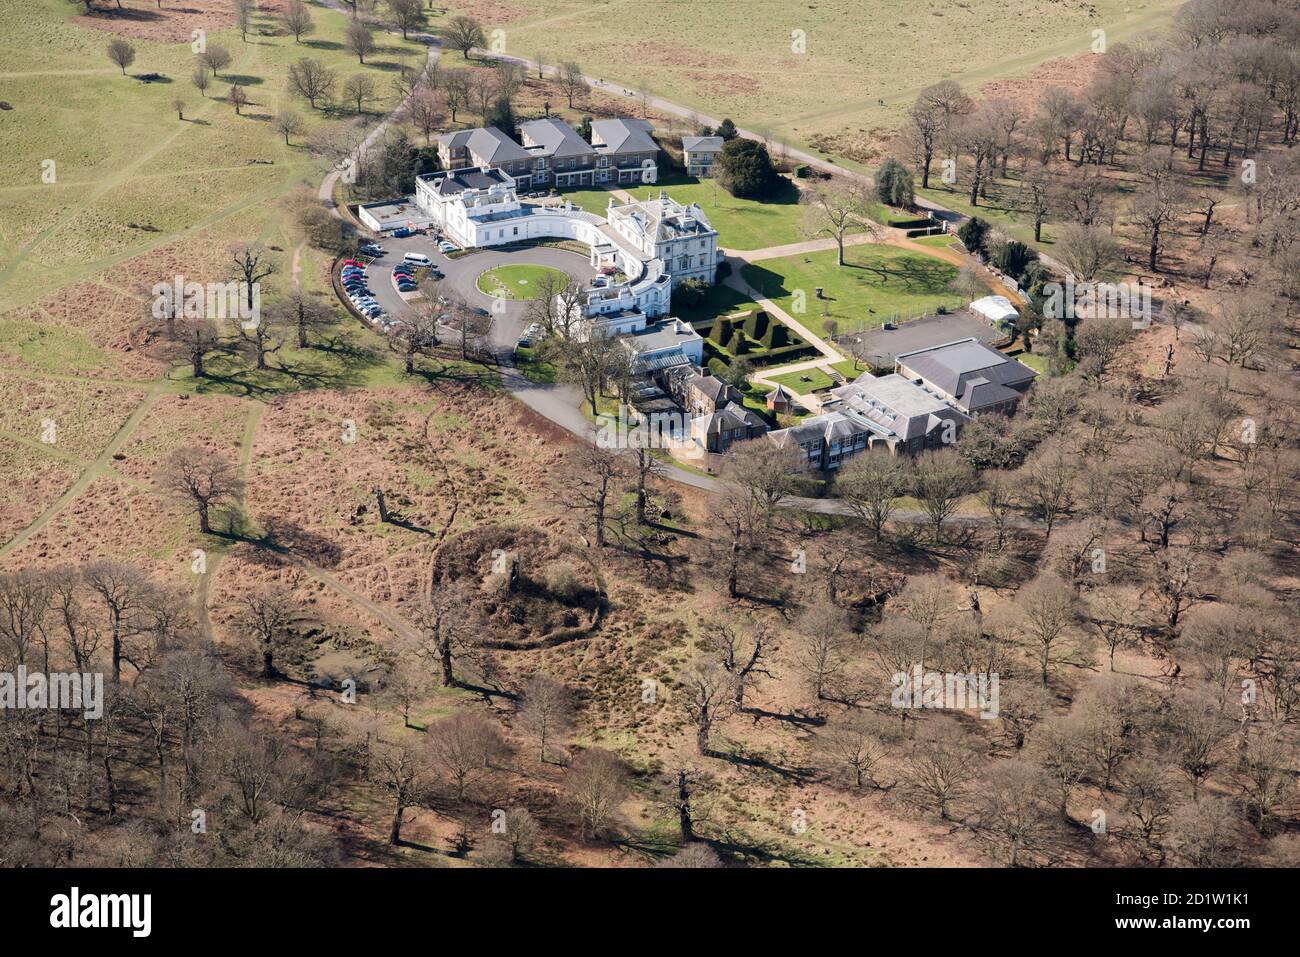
[
  {"x": 508, "y": 314},
  {"x": 460, "y": 276}
]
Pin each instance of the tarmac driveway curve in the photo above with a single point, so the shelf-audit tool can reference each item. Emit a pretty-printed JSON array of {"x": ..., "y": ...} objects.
[{"x": 460, "y": 276}]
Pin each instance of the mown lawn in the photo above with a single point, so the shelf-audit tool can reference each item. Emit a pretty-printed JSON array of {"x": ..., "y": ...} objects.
[
  {"x": 876, "y": 284},
  {"x": 809, "y": 380},
  {"x": 741, "y": 223},
  {"x": 516, "y": 280}
]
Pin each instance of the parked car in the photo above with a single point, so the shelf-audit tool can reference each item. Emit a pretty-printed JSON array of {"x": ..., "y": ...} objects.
[
  {"x": 417, "y": 259},
  {"x": 372, "y": 249},
  {"x": 447, "y": 247},
  {"x": 523, "y": 342}
]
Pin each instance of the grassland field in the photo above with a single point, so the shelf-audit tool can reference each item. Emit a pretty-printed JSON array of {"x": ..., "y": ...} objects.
[{"x": 806, "y": 73}]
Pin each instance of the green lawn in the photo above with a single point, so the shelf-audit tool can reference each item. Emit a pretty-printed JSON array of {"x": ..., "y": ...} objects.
[
  {"x": 939, "y": 242},
  {"x": 516, "y": 280},
  {"x": 876, "y": 284},
  {"x": 534, "y": 369},
  {"x": 809, "y": 380},
  {"x": 849, "y": 368},
  {"x": 1032, "y": 359},
  {"x": 741, "y": 223}
]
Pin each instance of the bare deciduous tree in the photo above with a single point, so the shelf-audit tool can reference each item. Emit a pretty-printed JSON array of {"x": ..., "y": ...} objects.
[
  {"x": 202, "y": 479},
  {"x": 545, "y": 711}
]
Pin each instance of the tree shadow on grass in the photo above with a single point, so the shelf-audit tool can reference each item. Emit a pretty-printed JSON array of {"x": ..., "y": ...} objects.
[
  {"x": 794, "y": 775},
  {"x": 125, "y": 13},
  {"x": 242, "y": 79},
  {"x": 279, "y": 541}
]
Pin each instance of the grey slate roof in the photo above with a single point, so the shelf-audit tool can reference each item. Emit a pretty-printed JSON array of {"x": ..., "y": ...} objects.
[
  {"x": 623, "y": 136},
  {"x": 730, "y": 418},
  {"x": 968, "y": 368},
  {"x": 702, "y": 144},
  {"x": 711, "y": 386},
  {"x": 459, "y": 180},
  {"x": 554, "y": 138},
  {"x": 488, "y": 143}
]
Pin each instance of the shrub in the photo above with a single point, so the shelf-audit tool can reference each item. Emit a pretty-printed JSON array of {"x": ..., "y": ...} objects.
[
  {"x": 717, "y": 367},
  {"x": 973, "y": 234},
  {"x": 1013, "y": 258},
  {"x": 690, "y": 292},
  {"x": 756, "y": 324},
  {"x": 777, "y": 336},
  {"x": 894, "y": 184},
  {"x": 562, "y": 581},
  {"x": 722, "y": 331},
  {"x": 745, "y": 170}
]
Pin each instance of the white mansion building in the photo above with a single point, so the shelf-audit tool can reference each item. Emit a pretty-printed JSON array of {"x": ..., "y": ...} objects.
[{"x": 652, "y": 245}]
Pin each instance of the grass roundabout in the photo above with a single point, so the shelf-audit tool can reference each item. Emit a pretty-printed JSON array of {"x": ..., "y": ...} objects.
[{"x": 517, "y": 281}]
